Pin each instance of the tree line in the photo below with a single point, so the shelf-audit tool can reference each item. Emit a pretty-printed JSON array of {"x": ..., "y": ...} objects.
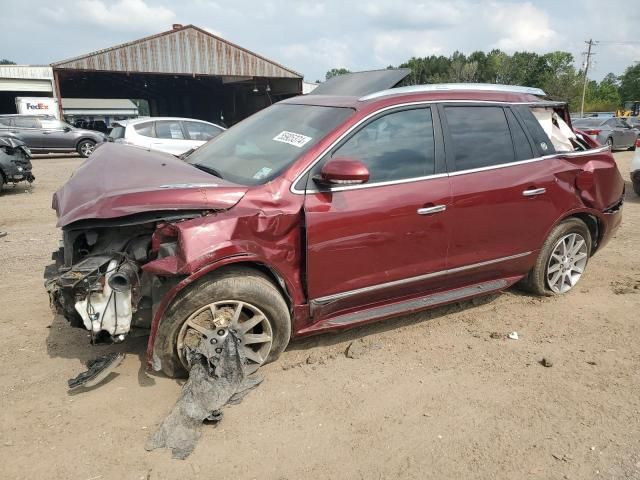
[{"x": 554, "y": 72}]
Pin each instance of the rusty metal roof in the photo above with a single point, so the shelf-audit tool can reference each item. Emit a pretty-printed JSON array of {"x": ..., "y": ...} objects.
[{"x": 184, "y": 50}]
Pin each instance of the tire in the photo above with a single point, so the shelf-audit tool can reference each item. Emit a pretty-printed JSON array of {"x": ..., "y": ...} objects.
[
  {"x": 85, "y": 148},
  {"x": 609, "y": 142},
  {"x": 537, "y": 281},
  {"x": 241, "y": 284},
  {"x": 633, "y": 147},
  {"x": 636, "y": 186}
]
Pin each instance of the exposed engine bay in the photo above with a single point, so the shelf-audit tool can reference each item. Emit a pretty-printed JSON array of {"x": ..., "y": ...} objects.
[{"x": 97, "y": 282}]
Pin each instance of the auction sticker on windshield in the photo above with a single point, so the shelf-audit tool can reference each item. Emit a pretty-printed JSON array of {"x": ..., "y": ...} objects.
[{"x": 295, "y": 139}]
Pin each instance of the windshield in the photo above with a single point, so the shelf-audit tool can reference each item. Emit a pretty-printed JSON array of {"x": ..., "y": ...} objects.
[{"x": 261, "y": 147}]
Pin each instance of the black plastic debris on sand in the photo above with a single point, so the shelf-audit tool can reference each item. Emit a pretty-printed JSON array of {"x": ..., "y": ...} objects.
[
  {"x": 216, "y": 378},
  {"x": 98, "y": 369}
]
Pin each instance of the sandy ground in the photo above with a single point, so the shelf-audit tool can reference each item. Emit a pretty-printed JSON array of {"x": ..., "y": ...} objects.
[{"x": 432, "y": 395}]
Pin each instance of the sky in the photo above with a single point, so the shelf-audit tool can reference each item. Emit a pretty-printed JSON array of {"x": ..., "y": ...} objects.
[{"x": 312, "y": 37}]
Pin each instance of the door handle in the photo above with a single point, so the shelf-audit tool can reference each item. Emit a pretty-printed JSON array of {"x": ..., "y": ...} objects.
[
  {"x": 431, "y": 210},
  {"x": 533, "y": 192}
]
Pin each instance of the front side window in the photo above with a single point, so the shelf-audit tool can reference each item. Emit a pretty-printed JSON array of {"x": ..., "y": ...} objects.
[
  {"x": 264, "y": 145},
  {"x": 201, "y": 131},
  {"x": 54, "y": 125},
  {"x": 26, "y": 122},
  {"x": 170, "y": 129},
  {"x": 397, "y": 146},
  {"x": 479, "y": 136}
]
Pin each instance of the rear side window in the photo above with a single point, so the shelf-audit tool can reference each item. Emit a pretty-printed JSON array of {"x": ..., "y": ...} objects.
[
  {"x": 521, "y": 143},
  {"x": 397, "y": 146},
  {"x": 145, "y": 129},
  {"x": 26, "y": 122},
  {"x": 169, "y": 129},
  {"x": 479, "y": 137},
  {"x": 540, "y": 139},
  {"x": 117, "y": 132},
  {"x": 201, "y": 131}
]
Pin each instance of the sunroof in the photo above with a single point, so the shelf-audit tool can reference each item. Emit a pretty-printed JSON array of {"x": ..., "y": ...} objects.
[{"x": 362, "y": 83}]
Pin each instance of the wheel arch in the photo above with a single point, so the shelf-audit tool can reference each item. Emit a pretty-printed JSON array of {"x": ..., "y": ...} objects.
[
  {"x": 591, "y": 220},
  {"x": 197, "y": 278},
  {"x": 82, "y": 139}
]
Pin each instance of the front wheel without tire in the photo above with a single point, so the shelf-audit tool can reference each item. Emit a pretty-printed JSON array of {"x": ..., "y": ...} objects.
[
  {"x": 239, "y": 298},
  {"x": 562, "y": 259},
  {"x": 86, "y": 148}
]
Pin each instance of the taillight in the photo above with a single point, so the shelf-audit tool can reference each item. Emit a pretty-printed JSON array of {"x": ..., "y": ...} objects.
[
  {"x": 592, "y": 132},
  {"x": 638, "y": 143}
]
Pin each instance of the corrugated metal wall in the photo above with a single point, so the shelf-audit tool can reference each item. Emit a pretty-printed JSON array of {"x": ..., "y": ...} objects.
[
  {"x": 187, "y": 50},
  {"x": 29, "y": 72}
]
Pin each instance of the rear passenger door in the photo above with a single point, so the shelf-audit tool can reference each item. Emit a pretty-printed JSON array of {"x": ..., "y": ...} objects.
[
  {"x": 502, "y": 191},
  {"x": 28, "y": 130}
]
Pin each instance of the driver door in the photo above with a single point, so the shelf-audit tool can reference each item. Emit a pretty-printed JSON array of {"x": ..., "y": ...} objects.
[{"x": 386, "y": 238}]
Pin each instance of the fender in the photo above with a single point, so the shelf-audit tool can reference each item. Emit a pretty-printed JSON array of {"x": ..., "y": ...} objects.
[{"x": 298, "y": 311}]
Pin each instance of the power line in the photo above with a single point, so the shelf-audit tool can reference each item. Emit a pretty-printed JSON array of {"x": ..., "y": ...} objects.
[{"x": 586, "y": 71}]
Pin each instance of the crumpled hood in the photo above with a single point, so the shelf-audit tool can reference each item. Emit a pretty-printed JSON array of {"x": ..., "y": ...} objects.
[{"x": 119, "y": 180}]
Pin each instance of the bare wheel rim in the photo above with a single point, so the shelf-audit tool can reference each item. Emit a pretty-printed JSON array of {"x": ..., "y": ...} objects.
[
  {"x": 567, "y": 262},
  {"x": 250, "y": 323},
  {"x": 87, "y": 148}
]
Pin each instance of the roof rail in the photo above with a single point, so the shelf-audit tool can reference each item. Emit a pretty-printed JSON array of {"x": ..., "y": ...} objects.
[{"x": 444, "y": 87}]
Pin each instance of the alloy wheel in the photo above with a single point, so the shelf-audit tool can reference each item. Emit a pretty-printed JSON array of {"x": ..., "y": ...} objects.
[
  {"x": 87, "y": 148},
  {"x": 567, "y": 262},
  {"x": 250, "y": 323}
]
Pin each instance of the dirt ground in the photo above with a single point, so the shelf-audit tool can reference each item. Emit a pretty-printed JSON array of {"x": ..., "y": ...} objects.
[{"x": 442, "y": 394}]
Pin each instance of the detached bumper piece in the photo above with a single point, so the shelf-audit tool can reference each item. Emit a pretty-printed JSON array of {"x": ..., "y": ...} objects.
[
  {"x": 98, "y": 294},
  {"x": 97, "y": 370}
]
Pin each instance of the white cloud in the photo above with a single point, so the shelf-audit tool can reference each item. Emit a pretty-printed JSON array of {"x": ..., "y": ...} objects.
[
  {"x": 130, "y": 15},
  {"x": 520, "y": 27},
  {"x": 393, "y": 48},
  {"x": 324, "y": 51},
  {"x": 407, "y": 14}
]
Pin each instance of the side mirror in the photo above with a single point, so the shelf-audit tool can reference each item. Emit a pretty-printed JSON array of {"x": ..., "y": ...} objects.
[
  {"x": 67, "y": 129},
  {"x": 341, "y": 171}
]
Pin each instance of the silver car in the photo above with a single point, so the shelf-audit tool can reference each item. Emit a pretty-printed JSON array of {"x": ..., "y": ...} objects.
[
  {"x": 608, "y": 131},
  {"x": 45, "y": 134}
]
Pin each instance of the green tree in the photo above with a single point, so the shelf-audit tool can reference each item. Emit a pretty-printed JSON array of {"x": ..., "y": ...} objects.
[
  {"x": 4, "y": 61},
  {"x": 630, "y": 84},
  {"x": 334, "y": 72}
]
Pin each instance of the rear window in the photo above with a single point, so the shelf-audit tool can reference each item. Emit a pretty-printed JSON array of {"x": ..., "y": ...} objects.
[
  {"x": 145, "y": 129},
  {"x": 117, "y": 132},
  {"x": 27, "y": 122},
  {"x": 479, "y": 136}
]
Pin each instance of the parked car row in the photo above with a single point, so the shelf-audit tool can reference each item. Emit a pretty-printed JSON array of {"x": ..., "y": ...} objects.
[
  {"x": 46, "y": 134},
  {"x": 330, "y": 212}
]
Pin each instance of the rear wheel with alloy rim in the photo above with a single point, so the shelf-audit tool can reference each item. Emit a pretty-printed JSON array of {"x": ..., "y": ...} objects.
[
  {"x": 562, "y": 259},
  {"x": 610, "y": 143},
  {"x": 239, "y": 298}
]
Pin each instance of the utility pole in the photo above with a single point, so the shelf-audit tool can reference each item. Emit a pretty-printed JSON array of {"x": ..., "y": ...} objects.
[{"x": 586, "y": 71}]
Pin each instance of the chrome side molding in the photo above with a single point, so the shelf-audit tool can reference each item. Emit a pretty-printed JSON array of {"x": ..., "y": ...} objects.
[{"x": 316, "y": 302}]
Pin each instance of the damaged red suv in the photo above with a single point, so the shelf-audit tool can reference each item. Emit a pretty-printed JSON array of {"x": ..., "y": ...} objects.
[{"x": 324, "y": 212}]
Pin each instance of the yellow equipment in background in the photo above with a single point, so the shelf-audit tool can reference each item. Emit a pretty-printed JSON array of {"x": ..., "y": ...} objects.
[{"x": 631, "y": 109}]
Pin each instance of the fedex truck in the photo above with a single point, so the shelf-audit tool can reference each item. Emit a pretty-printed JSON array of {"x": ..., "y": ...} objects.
[{"x": 37, "y": 106}]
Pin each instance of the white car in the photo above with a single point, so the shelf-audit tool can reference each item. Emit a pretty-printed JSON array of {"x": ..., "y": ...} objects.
[
  {"x": 635, "y": 169},
  {"x": 168, "y": 134}
]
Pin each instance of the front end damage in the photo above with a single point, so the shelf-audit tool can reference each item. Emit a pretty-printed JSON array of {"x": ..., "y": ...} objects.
[{"x": 97, "y": 281}]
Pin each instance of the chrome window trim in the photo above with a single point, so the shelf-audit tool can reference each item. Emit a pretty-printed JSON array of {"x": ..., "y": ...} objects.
[
  {"x": 338, "y": 296},
  {"x": 296, "y": 191}
]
